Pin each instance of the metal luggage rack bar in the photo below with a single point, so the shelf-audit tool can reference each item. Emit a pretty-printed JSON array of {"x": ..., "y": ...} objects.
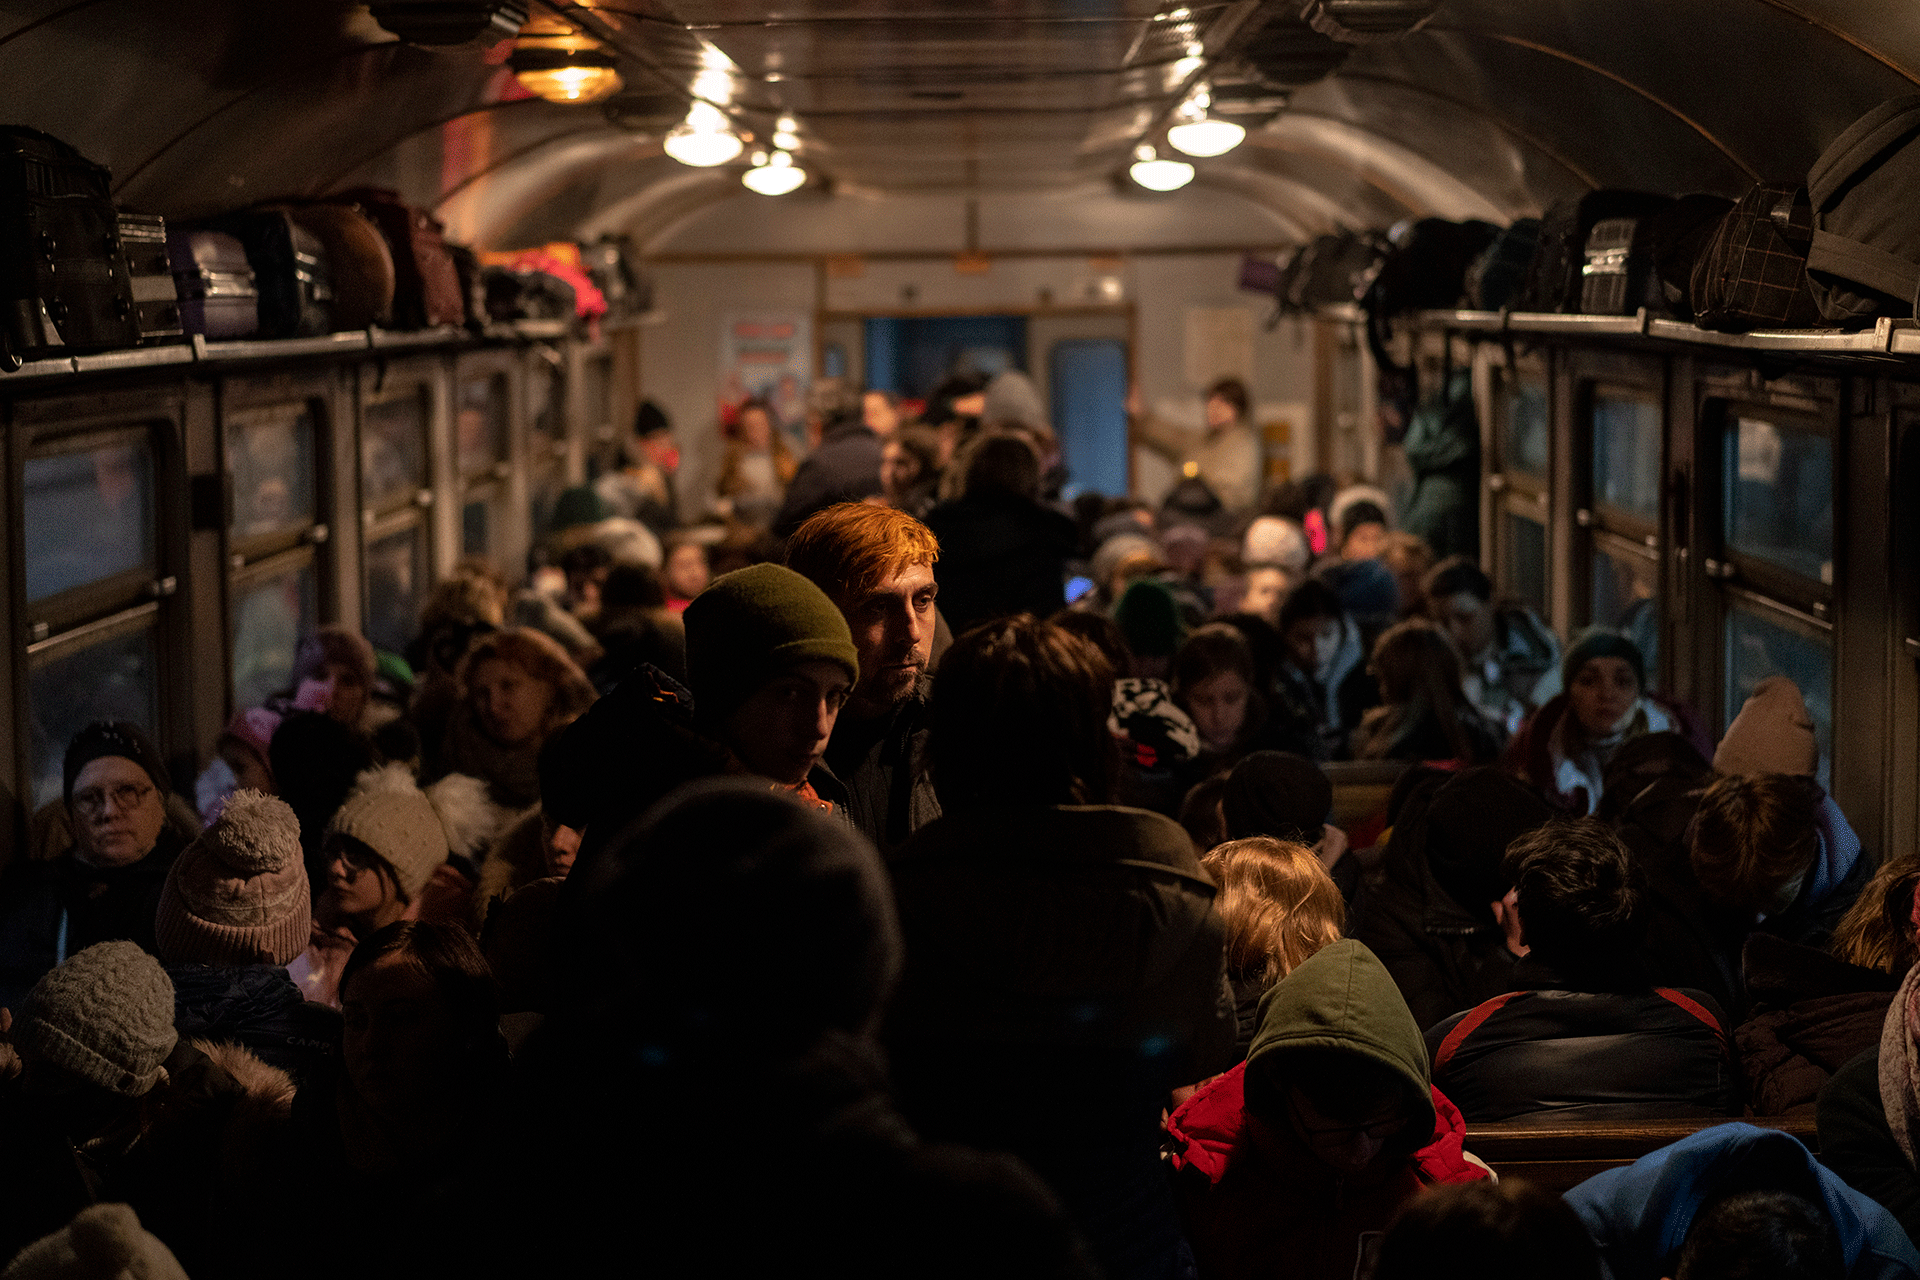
[
  {"x": 197, "y": 350},
  {"x": 1888, "y": 337}
]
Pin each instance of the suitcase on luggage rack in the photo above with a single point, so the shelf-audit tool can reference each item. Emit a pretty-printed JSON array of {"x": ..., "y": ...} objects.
[
  {"x": 1752, "y": 274},
  {"x": 218, "y": 296},
  {"x": 156, "y": 301},
  {"x": 358, "y": 261},
  {"x": 527, "y": 295},
  {"x": 1676, "y": 237},
  {"x": 426, "y": 290},
  {"x": 290, "y": 270},
  {"x": 1496, "y": 276},
  {"x": 1613, "y": 279},
  {"x": 1336, "y": 270},
  {"x": 64, "y": 284},
  {"x": 1555, "y": 275}
]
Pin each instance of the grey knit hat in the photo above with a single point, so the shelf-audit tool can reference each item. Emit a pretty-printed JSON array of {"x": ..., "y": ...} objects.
[
  {"x": 238, "y": 894},
  {"x": 104, "y": 1241},
  {"x": 106, "y": 1016}
]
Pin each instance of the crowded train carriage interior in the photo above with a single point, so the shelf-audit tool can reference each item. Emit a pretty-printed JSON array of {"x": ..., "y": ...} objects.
[{"x": 1147, "y": 638}]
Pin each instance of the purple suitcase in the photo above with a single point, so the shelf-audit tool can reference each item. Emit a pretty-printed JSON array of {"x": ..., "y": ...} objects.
[{"x": 218, "y": 296}]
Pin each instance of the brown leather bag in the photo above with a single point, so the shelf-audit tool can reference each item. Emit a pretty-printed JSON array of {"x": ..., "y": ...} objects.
[
  {"x": 361, "y": 263},
  {"x": 426, "y": 283}
]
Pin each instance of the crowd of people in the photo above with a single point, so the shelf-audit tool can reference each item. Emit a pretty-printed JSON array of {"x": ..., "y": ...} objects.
[{"x": 895, "y": 870}]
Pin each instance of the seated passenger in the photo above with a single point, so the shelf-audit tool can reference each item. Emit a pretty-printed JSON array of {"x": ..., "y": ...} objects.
[
  {"x": 1584, "y": 1033},
  {"x": 234, "y": 913},
  {"x": 106, "y": 1100},
  {"x": 108, "y": 885},
  {"x": 1423, "y": 715},
  {"x": 1291, "y": 1162},
  {"x": 1323, "y": 685},
  {"x": 1274, "y": 793},
  {"x": 1157, "y": 740},
  {"x": 1429, "y": 909},
  {"x": 1486, "y": 1230},
  {"x": 240, "y": 761},
  {"x": 1359, "y": 519},
  {"x": 517, "y": 688},
  {"x": 771, "y": 661},
  {"x": 1563, "y": 748},
  {"x": 1367, "y": 591},
  {"x": 1409, "y": 558},
  {"x": 1774, "y": 851},
  {"x": 1064, "y": 964},
  {"x": 1279, "y": 907},
  {"x": 1870, "y": 1111},
  {"x": 1511, "y": 657},
  {"x": 1213, "y": 682},
  {"x": 1722, "y": 1203}
]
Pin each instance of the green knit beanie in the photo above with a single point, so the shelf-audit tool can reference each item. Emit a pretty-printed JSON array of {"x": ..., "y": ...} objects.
[{"x": 752, "y": 625}]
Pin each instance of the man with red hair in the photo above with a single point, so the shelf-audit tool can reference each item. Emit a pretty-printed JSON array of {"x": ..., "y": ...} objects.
[{"x": 876, "y": 565}]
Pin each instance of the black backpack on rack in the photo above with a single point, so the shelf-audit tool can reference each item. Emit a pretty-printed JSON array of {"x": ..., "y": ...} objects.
[
  {"x": 1555, "y": 276},
  {"x": 1864, "y": 259},
  {"x": 64, "y": 284},
  {"x": 1426, "y": 270},
  {"x": 1752, "y": 273}
]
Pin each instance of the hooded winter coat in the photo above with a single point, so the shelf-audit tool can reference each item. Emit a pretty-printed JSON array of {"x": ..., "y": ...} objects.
[
  {"x": 1000, "y": 553},
  {"x": 1065, "y": 971},
  {"x": 1258, "y": 1208},
  {"x": 1545, "y": 752},
  {"x": 1813, "y": 1013},
  {"x": 1640, "y": 1215}
]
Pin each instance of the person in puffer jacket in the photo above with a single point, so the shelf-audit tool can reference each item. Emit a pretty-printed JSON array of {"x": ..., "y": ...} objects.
[{"x": 1291, "y": 1163}]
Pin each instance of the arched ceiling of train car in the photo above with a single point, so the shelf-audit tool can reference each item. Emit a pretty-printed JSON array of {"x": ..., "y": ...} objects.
[{"x": 1494, "y": 108}]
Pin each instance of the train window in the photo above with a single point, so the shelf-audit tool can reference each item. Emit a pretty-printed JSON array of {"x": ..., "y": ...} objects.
[
  {"x": 1525, "y": 429},
  {"x": 1763, "y": 641},
  {"x": 1626, "y": 596},
  {"x": 475, "y": 528},
  {"x": 89, "y": 514},
  {"x": 481, "y": 423},
  {"x": 108, "y": 669},
  {"x": 270, "y": 457},
  {"x": 597, "y": 389},
  {"x": 1779, "y": 492},
  {"x": 1525, "y": 571},
  {"x": 396, "y": 566},
  {"x": 272, "y": 608},
  {"x": 546, "y": 441},
  {"x": 393, "y": 450},
  {"x": 1627, "y": 461}
]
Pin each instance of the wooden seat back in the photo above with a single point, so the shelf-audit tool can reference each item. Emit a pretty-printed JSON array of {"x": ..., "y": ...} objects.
[
  {"x": 1560, "y": 1156},
  {"x": 1361, "y": 788}
]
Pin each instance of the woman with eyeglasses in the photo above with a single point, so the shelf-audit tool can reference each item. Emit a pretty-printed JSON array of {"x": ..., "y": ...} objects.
[{"x": 107, "y": 885}]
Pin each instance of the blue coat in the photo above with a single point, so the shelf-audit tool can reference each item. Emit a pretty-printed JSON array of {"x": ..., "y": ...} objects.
[{"x": 1640, "y": 1215}]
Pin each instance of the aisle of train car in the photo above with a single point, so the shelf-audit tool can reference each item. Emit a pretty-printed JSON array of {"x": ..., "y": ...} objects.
[{"x": 174, "y": 514}]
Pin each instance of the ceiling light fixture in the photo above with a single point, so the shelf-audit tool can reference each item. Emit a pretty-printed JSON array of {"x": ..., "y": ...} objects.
[
  {"x": 1197, "y": 133},
  {"x": 776, "y": 177},
  {"x": 786, "y": 133},
  {"x": 704, "y": 139},
  {"x": 1156, "y": 174},
  {"x": 566, "y": 75}
]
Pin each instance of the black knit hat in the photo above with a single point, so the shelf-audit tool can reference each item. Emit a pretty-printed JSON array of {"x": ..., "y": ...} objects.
[
  {"x": 756, "y": 623},
  {"x": 1279, "y": 794},
  {"x": 1597, "y": 642},
  {"x": 113, "y": 738}
]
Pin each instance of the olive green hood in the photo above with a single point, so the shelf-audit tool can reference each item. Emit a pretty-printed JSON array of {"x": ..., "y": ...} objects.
[{"x": 1343, "y": 998}]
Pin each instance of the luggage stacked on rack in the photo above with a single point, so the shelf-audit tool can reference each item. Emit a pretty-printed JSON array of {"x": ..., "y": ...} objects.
[
  {"x": 1495, "y": 278},
  {"x": 64, "y": 285},
  {"x": 291, "y": 269},
  {"x": 1863, "y": 260},
  {"x": 1557, "y": 275},
  {"x": 527, "y": 295},
  {"x": 359, "y": 263},
  {"x": 427, "y": 290},
  {"x": 1752, "y": 271},
  {"x": 156, "y": 302},
  {"x": 219, "y": 297}
]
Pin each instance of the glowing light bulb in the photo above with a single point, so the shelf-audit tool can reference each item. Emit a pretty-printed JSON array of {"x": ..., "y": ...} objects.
[
  {"x": 776, "y": 177},
  {"x": 704, "y": 139},
  {"x": 1156, "y": 174},
  {"x": 1206, "y": 137},
  {"x": 566, "y": 75}
]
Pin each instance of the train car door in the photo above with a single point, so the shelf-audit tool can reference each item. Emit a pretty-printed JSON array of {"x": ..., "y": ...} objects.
[
  {"x": 398, "y": 415},
  {"x": 1616, "y": 472},
  {"x": 1520, "y": 457}
]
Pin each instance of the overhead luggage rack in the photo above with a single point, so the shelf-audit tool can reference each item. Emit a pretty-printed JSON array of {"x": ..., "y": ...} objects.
[
  {"x": 199, "y": 351},
  {"x": 1888, "y": 337}
]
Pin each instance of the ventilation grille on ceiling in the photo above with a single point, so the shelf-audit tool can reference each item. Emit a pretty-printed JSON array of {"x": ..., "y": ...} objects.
[
  {"x": 443, "y": 22},
  {"x": 1357, "y": 21},
  {"x": 1288, "y": 52}
]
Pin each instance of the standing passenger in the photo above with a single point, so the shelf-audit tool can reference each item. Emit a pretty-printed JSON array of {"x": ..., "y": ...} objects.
[
  {"x": 876, "y": 565},
  {"x": 1512, "y": 658},
  {"x": 756, "y": 468},
  {"x": 1002, "y": 550},
  {"x": 846, "y": 465},
  {"x": 1225, "y": 452},
  {"x": 1064, "y": 963}
]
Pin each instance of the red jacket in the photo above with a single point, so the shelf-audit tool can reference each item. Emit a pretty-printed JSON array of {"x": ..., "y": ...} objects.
[{"x": 1246, "y": 1218}]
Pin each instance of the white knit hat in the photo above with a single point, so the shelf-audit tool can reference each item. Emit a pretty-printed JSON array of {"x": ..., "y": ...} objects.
[
  {"x": 106, "y": 1016},
  {"x": 1772, "y": 734},
  {"x": 104, "y": 1241},
  {"x": 1276, "y": 541},
  {"x": 238, "y": 894},
  {"x": 415, "y": 830}
]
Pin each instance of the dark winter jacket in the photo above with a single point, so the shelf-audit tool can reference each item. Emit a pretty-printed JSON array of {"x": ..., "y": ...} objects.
[
  {"x": 1000, "y": 554},
  {"x": 845, "y": 468},
  {"x": 51, "y": 910},
  {"x": 1639, "y": 1215},
  {"x": 1064, "y": 973},
  {"x": 258, "y": 1007},
  {"x": 1813, "y": 1014},
  {"x": 1259, "y": 1207},
  {"x": 882, "y": 765},
  {"x": 1857, "y": 1143},
  {"x": 1442, "y": 446},
  {"x": 1546, "y": 1051},
  {"x": 1543, "y": 751}
]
